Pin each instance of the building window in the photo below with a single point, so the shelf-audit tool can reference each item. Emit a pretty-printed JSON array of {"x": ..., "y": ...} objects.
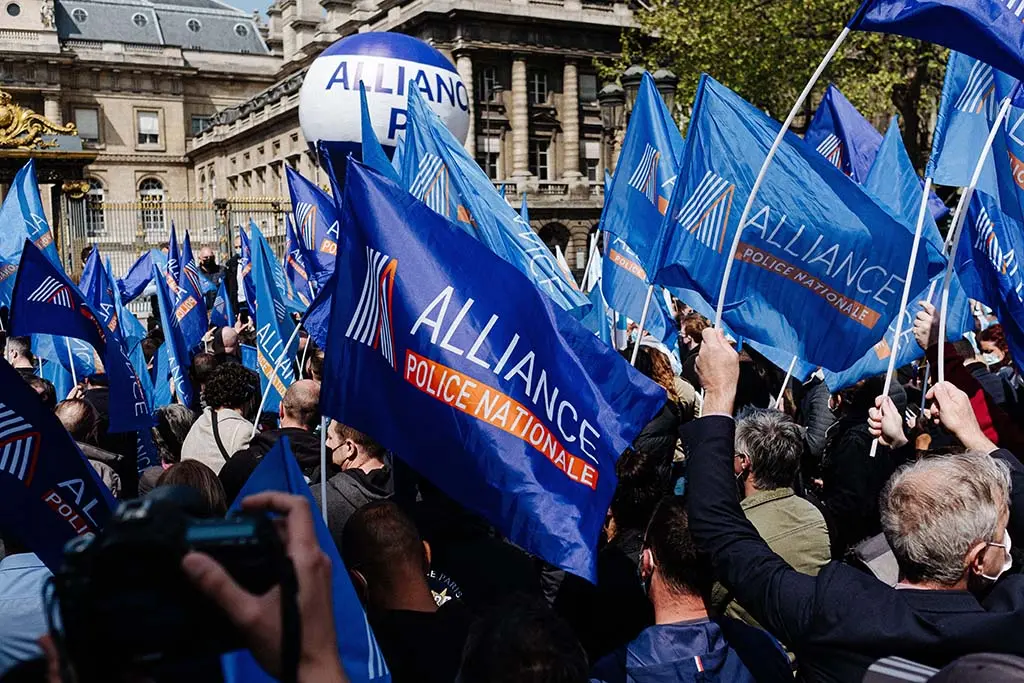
[
  {"x": 151, "y": 198},
  {"x": 94, "y": 208},
  {"x": 539, "y": 159},
  {"x": 200, "y": 123},
  {"x": 486, "y": 82},
  {"x": 194, "y": 25},
  {"x": 241, "y": 30},
  {"x": 537, "y": 87},
  {"x": 588, "y": 88},
  {"x": 149, "y": 127},
  {"x": 87, "y": 120},
  {"x": 13, "y": 9},
  {"x": 592, "y": 159},
  {"x": 79, "y": 15},
  {"x": 487, "y": 151},
  {"x": 140, "y": 20}
]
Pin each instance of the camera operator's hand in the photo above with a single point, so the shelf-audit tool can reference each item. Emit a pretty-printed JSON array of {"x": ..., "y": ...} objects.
[
  {"x": 718, "y": 366},
  {"x": 258, "y": 617}
]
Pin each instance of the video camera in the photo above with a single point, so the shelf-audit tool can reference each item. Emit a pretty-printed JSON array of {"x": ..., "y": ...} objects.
[{"x": 126, "y": 604}]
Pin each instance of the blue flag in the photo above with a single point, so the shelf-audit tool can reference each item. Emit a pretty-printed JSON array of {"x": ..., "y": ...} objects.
[
  {"x": 625, "y": 284},
  {"x": 297, "y": 271},
  {"x": 316, "y": 218},
  {"x": 373, "y": 154},
  {"x": 645, "y": 174},
  {"x": 524, "y": 410},
  {"x": 438, "y": 171},
  {"x": 173, "y": 270},
  {"x": 46, "y": 301},
  {"x": 162, "y": 394},
  {"x": 360, "y": 654},
  {"x": 189, "y": 302},
  {"x": 988, "y": 30},
  {"x": 22, "y": 218},
  {"x": 820, "y": 268},
  {"x": 131, "y": 329},
  {"x": 250, "y": 357},
  {"x": 223, "y": 312},
  {"x": 986, "y": 262},
  {"x": 176, "y": 354},
  {"x": 49, "y": 493},
  {"x": 137, "y": 278},
  {"x": 245, "y": 261},
  {"x": 318, "y": 318},
  {"x": 274, "y": 328},
  {"x": 59, "y": 355}
]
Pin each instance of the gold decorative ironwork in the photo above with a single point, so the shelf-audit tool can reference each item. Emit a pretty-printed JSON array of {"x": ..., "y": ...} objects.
[
  {"x": 76, "y": 189},
  {"x": 22, "y": 128}
]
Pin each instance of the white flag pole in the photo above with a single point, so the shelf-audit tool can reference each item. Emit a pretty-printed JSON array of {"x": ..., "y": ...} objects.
[
  {"x": 643, "y": 320},
  {"x": 785, "y": 381},
  {"x": 585, "y": 283},
  {"x": 957, "y": 228},
  {"x": 764, "y": 168},
  {"x": 323, "y": 466},
  {"x": 894, "y": 351},
  {"x": 270, "y": 380},
  {"x": 71, "y": 362}
]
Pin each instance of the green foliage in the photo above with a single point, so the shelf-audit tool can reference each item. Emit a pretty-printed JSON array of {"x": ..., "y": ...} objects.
[{"x": 767, "y": 49}]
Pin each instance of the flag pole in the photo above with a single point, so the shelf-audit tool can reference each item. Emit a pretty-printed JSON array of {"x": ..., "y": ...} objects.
[
  {"x": 71, "y": 362},
  {"x": 323, "y": 466},
  {"x": 590, "y": 260},
  {"x": 922, "y": 211},
  {"x": 305, "y": 352},
  {"x": 764, "y": 168},
  {"x": 270, "y": 380},
  {"x": 957, "y": 228},
  {"x": 643, "y": 320},
  {"x": 785, "y": 381}
]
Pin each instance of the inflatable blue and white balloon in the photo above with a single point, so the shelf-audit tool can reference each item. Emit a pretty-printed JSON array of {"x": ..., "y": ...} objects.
[{"x": 386, "y": 63}]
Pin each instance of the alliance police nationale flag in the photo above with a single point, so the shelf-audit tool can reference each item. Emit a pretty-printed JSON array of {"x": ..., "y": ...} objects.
[
  {"x": 989, "y": 30},
  {"x": 189, "y": 301},
  {"x": 177, "y": 360},
  {"x": 173, "y": 269},
  {"x": 274, "y": 328},
  {"x": 360, "y": 654},
  {"x": 644, "y": 175},
  {"x": 46, "y": 301},
  {"x": 819, "y": 269},
  {"x": 625, "y": 284},
  {"x": 49, "y": 493},
  {"x": 297, "y": 268},
  {"x": 449, "y": 357},
  {"x": 22, "y": 218},
  {"x": 223, "y": 312},
  {"x": 140, "y": 275},
  {"x": 437, "y": 170},
  {"x": 316, "y": 219},
  {"x": 245, "y": 269}
]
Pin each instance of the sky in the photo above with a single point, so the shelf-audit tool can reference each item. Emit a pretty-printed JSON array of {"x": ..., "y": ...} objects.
[{"x": 250, "y": 5}]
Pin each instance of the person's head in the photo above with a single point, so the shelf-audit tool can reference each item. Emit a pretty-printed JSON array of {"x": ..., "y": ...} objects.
[
  {"x": 992, "y": 342},
  {"x": 200, "y": 477},
  {"x": 203, "y": 365},
  {"x": 165, "y": 247},
  {"x": 768, "y": 449},
  {"x": 945, "y": 519},
  {"x": 232, "y": 385},
  {"x": 522, "y": 640},
  {"x": 692, "y": 329},
  {"x": 149, "y": 348},
  {"x": 207, "y": 259},
  {"x": 300, "y": 407},
  {"x": 86, "y": 251},
  {"x": 351, "y": 449},
  {"x": 384, "y": 554},
  {"x": 45, "y": 390},
  {"x": 315, "y": 364},
  {"x": 172, "y": 424},
  {"x": 238, "y": 239},
  {"x": 670, "y": 564},
  {"x": 80, "y": 419},
  {"x": 965, "y": 349},
  {"x": 856, "y": 400},
  {"x": 643, "y": 481},
  {"x": 229, "y": 341},
  {"x": 19, "y": 352},
  {"x": 656, "y": 366}
]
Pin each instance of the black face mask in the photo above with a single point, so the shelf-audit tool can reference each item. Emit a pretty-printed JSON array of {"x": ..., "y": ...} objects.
[{"x": 209, "y": 263}]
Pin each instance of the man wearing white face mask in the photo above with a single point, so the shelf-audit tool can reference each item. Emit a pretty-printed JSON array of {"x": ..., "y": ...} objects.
[
  {"x": 945, "y": 518},
  {"x": 358, "y": 474}
]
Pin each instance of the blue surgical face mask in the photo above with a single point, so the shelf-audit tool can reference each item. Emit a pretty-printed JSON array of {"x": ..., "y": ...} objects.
[
  {"x": 990, "y": 359},
  {"x": 634, "y": 335},
  {"x": 1005, "y": 545}
]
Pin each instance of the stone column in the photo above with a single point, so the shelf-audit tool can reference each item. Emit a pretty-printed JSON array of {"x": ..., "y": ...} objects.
[
  {"x": 464, "y": 65},
  {"x": 520, "y": 121},
  {"x": 51, "y": 109},
  {"x": 570, "y": 116}
]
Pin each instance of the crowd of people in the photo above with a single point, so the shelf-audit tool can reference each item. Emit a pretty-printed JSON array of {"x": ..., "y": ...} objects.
[{"x": 752, "y": 536}]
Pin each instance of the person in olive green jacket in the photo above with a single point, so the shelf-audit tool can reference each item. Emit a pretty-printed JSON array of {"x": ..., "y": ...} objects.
[{"x": 768, "y": 448}]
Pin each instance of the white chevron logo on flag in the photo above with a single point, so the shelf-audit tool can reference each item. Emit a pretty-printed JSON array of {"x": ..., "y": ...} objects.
[
  {"x": 645, "y": 175},
  {"x": 832, "y": 149},
  {"x": 371, "y": 322},
  {"x": 430, "y": 185},
  {"x": 53, "y": 291},
  {"x": 706, "y": 213},
  {"x": 305, "y": 214},
  {"x": 19, "y": 446},
  {"x": 981, "y": 83}
]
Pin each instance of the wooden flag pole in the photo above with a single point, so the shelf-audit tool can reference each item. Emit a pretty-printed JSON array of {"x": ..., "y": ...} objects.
[
  {"x": 764, "y": 168},
  {"x": 270, "y": 380},
  {"x": 785, "y": 381},
  {"x": 957, "y": 228},
  {"x": 894, "y": 351},
  {"x": 643, "y": 320}
]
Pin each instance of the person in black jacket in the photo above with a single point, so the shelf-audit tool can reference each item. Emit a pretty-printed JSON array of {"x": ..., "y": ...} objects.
[
  {"x": 300, "y": 415},
  {"x": 948, "y": 521}
]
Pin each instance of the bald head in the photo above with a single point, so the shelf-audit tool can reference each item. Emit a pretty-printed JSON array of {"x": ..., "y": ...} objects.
[
  {"x": 79, "y": 418},
  {"x": 205, "y": 253},
  {"x": 229, "y": 338},
  {"x": 301, "y": 405}
]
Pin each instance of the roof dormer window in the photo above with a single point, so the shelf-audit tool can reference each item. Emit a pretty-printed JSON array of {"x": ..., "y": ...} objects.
[
  {"x": 241, "y": 30},
  {"x": 140, "y": 20},
  {"x": 193, "y": 25},
  {"x": 79, "y": 15}
]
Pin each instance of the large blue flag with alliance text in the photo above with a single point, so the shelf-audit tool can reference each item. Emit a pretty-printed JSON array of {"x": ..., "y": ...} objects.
[
  {"x": 22, "y": 218},
  {"x": 274, "y": 328},
  {"x": 503, "y": 401},
  {"x": 189, "y": 300},
  {"x": 49, "y": 493},
  {"x": 437, "y": 170},
  {"x": 989, "y": 30},
  {"x": 46, "y": 301},
  {"x": 644, "y": 175},
  {"x": 819, "y": 268},
  {"x": 177, "y": 360},
  {"x": 316, "y": 218}
]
